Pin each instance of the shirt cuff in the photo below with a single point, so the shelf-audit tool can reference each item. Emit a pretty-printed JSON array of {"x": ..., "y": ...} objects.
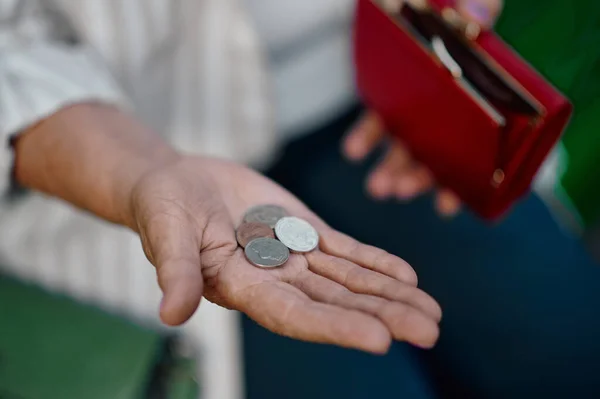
[{"x": 37, "y": 81}]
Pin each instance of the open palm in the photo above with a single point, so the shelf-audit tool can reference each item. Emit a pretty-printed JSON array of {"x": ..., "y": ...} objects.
[{"x": 344, "y": 293}]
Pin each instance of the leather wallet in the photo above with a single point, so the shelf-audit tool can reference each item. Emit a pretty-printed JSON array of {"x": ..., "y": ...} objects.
[{"x": 464, "y": 102}]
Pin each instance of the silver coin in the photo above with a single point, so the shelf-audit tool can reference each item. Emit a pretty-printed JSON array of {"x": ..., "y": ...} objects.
[
  {"x": 297, "y": 234},
  {"x": 266, "y": 214},
  {"x": 266, "y": 252}
]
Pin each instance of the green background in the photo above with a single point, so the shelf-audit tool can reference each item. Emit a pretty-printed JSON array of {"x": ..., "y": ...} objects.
[{"x": 561, "y": 38}]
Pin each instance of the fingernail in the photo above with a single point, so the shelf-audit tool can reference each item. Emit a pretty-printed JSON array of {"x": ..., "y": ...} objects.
[
  {"x": 448, "y": 212},
  {"x": 380, "y": 187},
  {"x": 479, "y": 12},
  {"x": 406, "y": 188}
]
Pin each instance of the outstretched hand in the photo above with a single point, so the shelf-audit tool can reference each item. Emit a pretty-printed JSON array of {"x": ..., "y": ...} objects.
[{"x": 344, "y": 293}]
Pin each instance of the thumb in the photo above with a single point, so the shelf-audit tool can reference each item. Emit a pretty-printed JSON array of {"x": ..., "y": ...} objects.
[
  {"x": 483, "y": 12},
  {"x": 171, "y": 245}
]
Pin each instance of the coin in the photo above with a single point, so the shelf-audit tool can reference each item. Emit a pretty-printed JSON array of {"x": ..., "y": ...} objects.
[
  {"x": 266, "y": 252},
  {"x": 249, "y": 231},
  {"x": 266, "y": 214},
  {"x": 297, "y": 234}
]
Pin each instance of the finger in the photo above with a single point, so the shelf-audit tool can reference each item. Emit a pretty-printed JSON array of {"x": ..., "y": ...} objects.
[
  {"x": 403, "y": 321},
  {"x": 363, "y": 281},
  {"x": 174, "y": 250},
  {"x": 342, "y": 246},
  {"x": 413, "y": 182},
  {"x": 364, "y": 137},
  {"x": 483, "y": 12},
  {"x": 285, "y": 310},
  {"x": 447, "y": 203},
  {"x": 382, "y": 180}
]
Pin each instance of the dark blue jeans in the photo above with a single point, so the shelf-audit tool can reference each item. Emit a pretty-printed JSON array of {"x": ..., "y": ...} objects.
[{"x": 521, "y": 299}]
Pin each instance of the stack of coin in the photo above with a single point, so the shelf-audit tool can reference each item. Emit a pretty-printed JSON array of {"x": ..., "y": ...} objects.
[{"x": 268, "y": 233}]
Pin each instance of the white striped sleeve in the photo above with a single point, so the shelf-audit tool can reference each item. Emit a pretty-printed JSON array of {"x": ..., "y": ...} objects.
[{"x": 40, "y": 75}]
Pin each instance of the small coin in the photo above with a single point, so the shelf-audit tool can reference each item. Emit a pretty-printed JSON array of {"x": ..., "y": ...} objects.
[
  {"x": 266, "y": 214},
  {"x": 250, "y": 231},
  {"x": 297, "y": 234},
  {"x": 266, "y": 252}
]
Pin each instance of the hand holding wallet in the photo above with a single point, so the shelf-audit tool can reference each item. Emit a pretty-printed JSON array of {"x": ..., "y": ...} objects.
[{"x": 463, "y": 102}]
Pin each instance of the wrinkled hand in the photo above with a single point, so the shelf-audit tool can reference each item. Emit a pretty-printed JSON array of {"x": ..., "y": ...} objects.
[
  {"x": 346, "y": 293},
  {"x": 398, "y": 175}
]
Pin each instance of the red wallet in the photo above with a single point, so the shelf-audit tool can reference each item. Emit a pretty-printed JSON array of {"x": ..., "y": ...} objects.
[{"x": 464, "y": 103}]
